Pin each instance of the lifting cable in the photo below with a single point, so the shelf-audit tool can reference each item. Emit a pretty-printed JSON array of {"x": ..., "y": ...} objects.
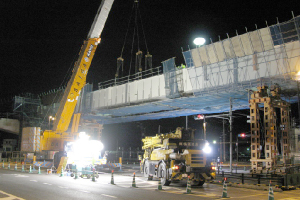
[
  {"x": 139, "y": 54},
  {"x": 120, "y": 60}
]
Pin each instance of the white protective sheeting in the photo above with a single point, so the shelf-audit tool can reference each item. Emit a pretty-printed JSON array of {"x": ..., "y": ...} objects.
[
  {"x": 280, "y": 61},
  {"x": 133, "y": 92}
]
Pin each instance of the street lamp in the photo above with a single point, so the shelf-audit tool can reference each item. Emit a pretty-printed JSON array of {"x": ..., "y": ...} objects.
[{"x": 199, "y": 41}]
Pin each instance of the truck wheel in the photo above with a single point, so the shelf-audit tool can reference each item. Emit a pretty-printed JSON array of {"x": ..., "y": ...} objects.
[
  {"x": 200, "y": 183},
  {"x": 163, "y": 174},
  {"x": 146, "y": 169},
  {"x": 88, "y": 176}
]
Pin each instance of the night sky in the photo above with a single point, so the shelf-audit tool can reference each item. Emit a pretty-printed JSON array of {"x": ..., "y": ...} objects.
[{"x": 40, "y": 40}]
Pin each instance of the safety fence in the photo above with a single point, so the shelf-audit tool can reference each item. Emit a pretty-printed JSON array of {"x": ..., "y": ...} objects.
[
  {"x": 130, "y": 78},
  {"x": 253, "y": 178}
]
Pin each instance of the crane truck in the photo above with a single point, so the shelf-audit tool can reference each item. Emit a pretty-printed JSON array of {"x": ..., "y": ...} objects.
[
  {"x": 176, "y": 156},
  {"x": 55, "y": 140}
]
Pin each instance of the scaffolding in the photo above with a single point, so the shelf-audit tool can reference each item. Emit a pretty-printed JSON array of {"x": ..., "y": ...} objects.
[{"x": 269, "y": 118}]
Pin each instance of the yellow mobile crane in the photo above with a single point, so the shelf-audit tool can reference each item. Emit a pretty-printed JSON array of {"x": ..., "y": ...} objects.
[
  {"x": 176, "y": 156},
  {"x": 55, "y": 139}
]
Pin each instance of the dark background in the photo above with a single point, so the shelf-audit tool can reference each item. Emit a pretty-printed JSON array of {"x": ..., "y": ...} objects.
[{"x": 40, "y": 41}]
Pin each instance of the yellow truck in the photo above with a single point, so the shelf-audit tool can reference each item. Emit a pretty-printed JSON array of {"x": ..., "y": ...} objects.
[{"x": 177, "y": 156}]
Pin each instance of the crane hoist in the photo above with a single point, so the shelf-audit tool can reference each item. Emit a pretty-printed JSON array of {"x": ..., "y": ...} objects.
[{"x": 56, "y": 138}]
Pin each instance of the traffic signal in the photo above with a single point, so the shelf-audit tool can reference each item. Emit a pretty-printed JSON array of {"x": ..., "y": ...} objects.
[
  {"x": 198, "y": 117},
  {"x": 242, "y": 135}
]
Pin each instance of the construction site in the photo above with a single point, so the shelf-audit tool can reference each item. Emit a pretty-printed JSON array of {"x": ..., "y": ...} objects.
[{"x": 258, "y": 71}]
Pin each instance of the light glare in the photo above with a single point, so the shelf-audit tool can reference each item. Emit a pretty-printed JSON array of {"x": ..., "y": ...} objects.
[{"x": 199, "y": 41}]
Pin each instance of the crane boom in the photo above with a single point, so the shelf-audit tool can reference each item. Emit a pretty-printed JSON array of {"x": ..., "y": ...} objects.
[
  {"x": 78, "y": 79},
  {"x": 54, "y": 139}
]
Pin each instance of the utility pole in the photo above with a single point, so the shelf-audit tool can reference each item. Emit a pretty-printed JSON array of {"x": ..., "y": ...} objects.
[
  {"x": 230, "y": 122},
  {"x": 204, "y": 128},
  {"x": 186, "y": 122},
  {"x": 224, "y": 156}
]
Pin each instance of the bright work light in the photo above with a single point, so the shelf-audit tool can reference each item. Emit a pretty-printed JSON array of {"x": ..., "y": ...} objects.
[
  {"x": 199, "y": 41},
  {"x": 207, "y": 148}
]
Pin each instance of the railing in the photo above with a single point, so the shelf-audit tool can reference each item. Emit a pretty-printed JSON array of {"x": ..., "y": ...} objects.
[
  {"x": 252, "y": 178},
  {"x": 127, "y": 79}
]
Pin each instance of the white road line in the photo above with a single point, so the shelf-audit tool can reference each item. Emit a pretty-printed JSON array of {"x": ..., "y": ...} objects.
[
  {"x": 63, "y": 187},
  {"x": 47, "y": 183},
  {"x": 84, "y": 191},
  {"x": 34, "y": 180},
  {"x": 108, "y": 196},
  {"x": 22, "y": 176}
]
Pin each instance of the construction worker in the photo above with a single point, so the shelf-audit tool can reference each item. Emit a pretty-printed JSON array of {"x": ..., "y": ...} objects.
[{"x": 182, "y": 66}]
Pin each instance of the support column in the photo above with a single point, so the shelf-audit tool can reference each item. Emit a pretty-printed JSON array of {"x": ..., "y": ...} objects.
[{"x": 230, "y": 122}]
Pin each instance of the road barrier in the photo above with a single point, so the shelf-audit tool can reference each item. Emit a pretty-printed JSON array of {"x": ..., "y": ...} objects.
[
  {"x": 188, "y": 186},
  {"x": 260, "y": 178},
  {"x": 133, "y": 180},
  {"x": 224, "y": 192},
  {"x": 271, "y": 193},
  {"x": 159, "y": 185},
  {"x": 62, "y": 172},
  {"x": 30, "y": 169},
  {"x": 112, "y": 178},
  {"x": 39, "y": 172},
  {"x": 16, "y": 167}
]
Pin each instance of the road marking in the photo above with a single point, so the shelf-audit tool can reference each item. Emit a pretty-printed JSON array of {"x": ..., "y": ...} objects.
[
  {"x": 9, "y": 196},
  {"x": 108, "y": 196},
  {"x": 63, "y": 187},
  {"x": 22, "y": 176},
  {"x": 47, "y": 183},
  {"x": 241, "y": 197},
  {"x": 84, "y": 191},
  {"x": 34, "y": 180}
]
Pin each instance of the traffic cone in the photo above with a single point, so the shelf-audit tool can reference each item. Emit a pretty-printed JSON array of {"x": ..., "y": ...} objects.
[
  {"x": 39, "y": 170},
  {"x": 62, "y": 172},
  {"x": 16, "y": 167},
  {"x": 188, "y": 186},
  {"x": 112, "y": 177},
  {"x": 8, "y": 166},
  {"x": 271, "y": 194},
  {"x": 93, "y": 176},
  {"x": 133, "y": 180},
  {"x": 159, "y": 185},
  {"x": 224, "y": 194},
  {"x": 76, "y": 175},
  {"x": 23, "y": 168},
  {"x": 30, "y": 169}
]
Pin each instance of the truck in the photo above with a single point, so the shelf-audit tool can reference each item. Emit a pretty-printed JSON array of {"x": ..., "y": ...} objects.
[
  {"x": 55, "y": 141},
  {"x": 177, "y": 156}
]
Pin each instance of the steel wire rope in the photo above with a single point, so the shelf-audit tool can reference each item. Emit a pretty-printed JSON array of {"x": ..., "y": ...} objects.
[
  {"x": 125, "y": 37},
  {"x": 137, "y": 28},
  {"x": 143, "y": 30},
  {"x": 63, "y": 83},
  {"x": 131, "y": 53}
]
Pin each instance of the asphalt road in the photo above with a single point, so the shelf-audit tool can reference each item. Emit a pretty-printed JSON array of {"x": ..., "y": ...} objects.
[{"x": 17, "y": 185}]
